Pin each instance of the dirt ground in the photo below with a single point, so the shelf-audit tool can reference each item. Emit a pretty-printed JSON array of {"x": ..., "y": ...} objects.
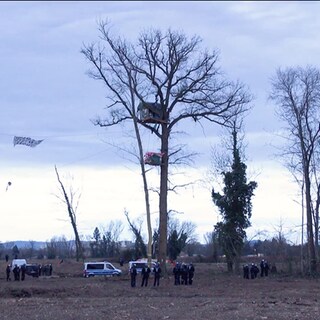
[{"x": 214, "y": 295}]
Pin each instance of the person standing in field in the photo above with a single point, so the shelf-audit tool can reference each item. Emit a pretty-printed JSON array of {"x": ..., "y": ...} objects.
[
  {"x": 133, "y": 275},
  {"x": 145, "y": 276},
  {"x": 157, "y": 274}
]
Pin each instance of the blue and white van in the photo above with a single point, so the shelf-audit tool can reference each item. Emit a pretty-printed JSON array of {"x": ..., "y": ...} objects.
[{"x": 100, "y": 268}]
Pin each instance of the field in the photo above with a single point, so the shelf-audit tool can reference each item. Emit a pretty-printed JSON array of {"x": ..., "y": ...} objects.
[{"x": 214, "y": 295}]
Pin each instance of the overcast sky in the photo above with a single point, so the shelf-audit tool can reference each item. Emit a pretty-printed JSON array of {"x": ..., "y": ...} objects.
[{"x": 46, "y": 94}]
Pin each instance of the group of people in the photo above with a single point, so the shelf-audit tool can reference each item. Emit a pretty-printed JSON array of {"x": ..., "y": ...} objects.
[
  {"x": 183, "y": 273},
  {"x": 145, "y": 273},
  {"x": 19, "y": 272},
  {"x": 253, "y": 270}
]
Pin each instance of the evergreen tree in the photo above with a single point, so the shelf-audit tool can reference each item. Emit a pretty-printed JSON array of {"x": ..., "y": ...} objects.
[
  {"x": 95, "y": 245},
  {"x": 235, "y": 207}
]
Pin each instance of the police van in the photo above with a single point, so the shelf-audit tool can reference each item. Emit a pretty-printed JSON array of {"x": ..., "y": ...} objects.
[
  {"x": 18, "y": 263},
  {"x": 100, "y": 268},
  {"x": 141, "y": 263}
]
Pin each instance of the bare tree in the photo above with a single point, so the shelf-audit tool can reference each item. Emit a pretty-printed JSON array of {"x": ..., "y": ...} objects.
[
  {"x": 69, "y": 199},
  {"x": 296, "y": 91},
  {"x": 140, "y": 247},
  {"x": 111, "y": 234},
  {"x": 181, "y": 79}
]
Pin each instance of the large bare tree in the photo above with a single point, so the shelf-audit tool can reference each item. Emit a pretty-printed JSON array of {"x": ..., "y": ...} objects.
[
  {"x": 177, "y": 74},
  {"x": 296, "y": 92}
]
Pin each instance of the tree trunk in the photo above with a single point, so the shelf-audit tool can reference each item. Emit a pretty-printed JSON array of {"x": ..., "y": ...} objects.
[
  {"x": 163, "y": 205},
  {"x": 146, "y": 191},
  {"x": 310, "y": 234},
  {"x": 230, "y": 266},
  {"x": 79, "y": 250}
]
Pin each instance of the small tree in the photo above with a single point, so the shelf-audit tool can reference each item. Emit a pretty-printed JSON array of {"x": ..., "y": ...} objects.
[
  {"x": 234, "y": 206},
  {"x": 15, "y": 251},
  {"x": 94, "y": 245},
  {"x": 180, "y": 234}
]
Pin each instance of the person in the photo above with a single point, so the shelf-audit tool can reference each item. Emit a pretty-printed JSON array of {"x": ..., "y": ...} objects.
[
  {"x": 256, "y": 270},
  {"x": 190, "y": 273},
  {"x": 23, "y": 272},
  {"x": 8, "y": 271},
  {"x": 7, "y": 258},
  {"x": 266, "y": 268},
  {"x": 246, "y": 271},
  {"x": 184, "y": 274},
  {"x": 262, "y": 269},
  {"x": 133, "y": 275},
  {"x": 16, "y": 273},
  {"x": 157, "y": 274},
  {"x": 121, "y": 261},
  {"x": 176, "y": 272},
  {"x": 50, "y": 269},
  {"x": 145, "y": 276},
  {"x": 253, "y": 271}
]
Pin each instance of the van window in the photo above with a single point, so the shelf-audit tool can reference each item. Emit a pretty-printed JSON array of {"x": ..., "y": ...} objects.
[
  {"x": 95, "y": 266},
  {"x": 109, "y": 266}
]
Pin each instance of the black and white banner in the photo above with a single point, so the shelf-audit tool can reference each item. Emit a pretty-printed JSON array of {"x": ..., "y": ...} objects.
[{"x": 26, "y": 141}]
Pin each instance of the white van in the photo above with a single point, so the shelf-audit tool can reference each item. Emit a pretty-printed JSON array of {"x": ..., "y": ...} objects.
[
  {"x": 139, "y": 264},
  {"x": 18, "y": 262},
  {"x": 102, "y": 268}
]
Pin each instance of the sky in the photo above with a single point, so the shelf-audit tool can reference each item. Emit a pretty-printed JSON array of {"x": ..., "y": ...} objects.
[{"x": 47, "y": 95}]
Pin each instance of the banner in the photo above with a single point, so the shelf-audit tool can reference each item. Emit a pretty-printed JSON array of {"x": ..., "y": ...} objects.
[{"x": 26, "y": 141}]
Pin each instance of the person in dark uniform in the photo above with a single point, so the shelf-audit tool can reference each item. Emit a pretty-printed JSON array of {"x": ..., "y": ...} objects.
[
  {"x": 256, "y": 270},
  {"x": 266, "y": 268},
  {"x": 23, "y": 272},
  {"x": 177, "y": 272},
  {"x": 246, "y": 271},
  {"x": 133, "y": 275},
  {"x": 253, "y": 271},
  {"x": 184, "y": 274},
  {"x": 262, "y": 268},
  {"x": 190, "y": 273},
  {"x": 15, "y": 271},
  {"x": 157, "y": 274},
  {"x": 8, "y": 271},
  {"x": 145, "y": 276}
]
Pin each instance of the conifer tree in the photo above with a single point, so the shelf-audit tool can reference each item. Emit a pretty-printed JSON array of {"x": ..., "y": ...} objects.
[{"x": 235, "y": 207}]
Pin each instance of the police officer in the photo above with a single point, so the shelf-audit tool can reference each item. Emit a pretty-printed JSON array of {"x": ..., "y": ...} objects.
[
  {"x": 8, "y": 270},
  {"x": 157, "y": 274},
  {"x": 145, "y": 276},
  {"x": 177, "y": 272},
  {"x": 23, "y": 272},
  {"x": 262, "y": 269},
  {"x": 266, "y": 268},
  {"x": 133, "y": 275},
  {"x": 184, "y": 274},
  {"x": 246, "y": 271},
  {"x": 190, "y": 273}
]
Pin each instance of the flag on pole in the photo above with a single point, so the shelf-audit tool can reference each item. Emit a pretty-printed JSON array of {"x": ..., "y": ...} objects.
[{"x": 26, "y": 141}]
